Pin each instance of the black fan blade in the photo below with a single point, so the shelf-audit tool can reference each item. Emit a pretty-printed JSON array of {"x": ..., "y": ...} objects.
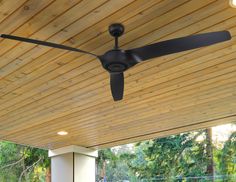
[
  {"x": 117, "y": 85},
  {"x": 179, "y": 45},
  {"x": 49, "y": 44}
]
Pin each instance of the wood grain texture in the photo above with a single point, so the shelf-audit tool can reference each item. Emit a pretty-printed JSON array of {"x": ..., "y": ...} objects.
[{"x": 45, "y": 90}]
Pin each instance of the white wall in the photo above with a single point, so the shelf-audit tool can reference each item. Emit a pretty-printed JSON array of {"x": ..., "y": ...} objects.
[
  {"x": 84, "y": 168},
  {"x": 62, "y": 168}
]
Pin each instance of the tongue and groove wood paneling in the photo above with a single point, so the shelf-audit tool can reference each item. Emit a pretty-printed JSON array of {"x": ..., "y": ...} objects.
[{"x": 44, "y": 90}]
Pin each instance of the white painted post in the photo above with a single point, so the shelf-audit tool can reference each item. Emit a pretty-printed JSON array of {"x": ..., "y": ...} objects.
[{"x": 73, "y": 164}]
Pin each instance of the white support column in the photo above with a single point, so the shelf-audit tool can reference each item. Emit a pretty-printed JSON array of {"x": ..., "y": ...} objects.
[{"x": 73, "y": 164}]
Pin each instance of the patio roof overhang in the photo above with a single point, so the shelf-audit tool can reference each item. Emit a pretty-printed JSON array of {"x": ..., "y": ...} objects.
[{"x": 44, "y": 90}]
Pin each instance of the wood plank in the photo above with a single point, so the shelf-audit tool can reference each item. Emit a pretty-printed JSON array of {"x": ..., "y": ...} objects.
[
  {"x": 22, "y": 15},
  {"x": 174, "y": 131},
  {"x": 157, "y": 90},
  {"x": 52, "y": 82},
  {"x": 39, "y": 62},
  {"x": 160, "y": 123},
  {"x": 74, "y": 125},
  {"x": 7, "y": 7},
  {"x": 38, "y": 21},
  {"x": 19, "y": 51},
  {"x": 37, "y": 81}
]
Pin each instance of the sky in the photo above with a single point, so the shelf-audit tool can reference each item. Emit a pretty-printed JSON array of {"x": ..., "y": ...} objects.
[{"x": 222, "y": 133}]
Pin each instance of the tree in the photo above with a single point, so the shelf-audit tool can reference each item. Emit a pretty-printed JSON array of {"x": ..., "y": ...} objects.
[
  {"x": 113, "y": 165},
  {"x": 22, "y": 163},
  {"x": 171, "y": 157},
  {"x": 209, "y": 151},
  {"x": 227, "y": 157},
  {"x": 183, "y": 157}
]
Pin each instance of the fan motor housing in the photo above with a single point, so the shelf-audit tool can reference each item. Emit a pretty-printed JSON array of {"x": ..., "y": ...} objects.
[{"x": 116, "y": 61}]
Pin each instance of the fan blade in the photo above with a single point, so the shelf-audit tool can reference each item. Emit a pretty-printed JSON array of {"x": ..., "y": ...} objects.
[
  {"x": 49, "y": 44},
  {"x": 179, "y": 45},
  {"x": 117, "y": 85}
]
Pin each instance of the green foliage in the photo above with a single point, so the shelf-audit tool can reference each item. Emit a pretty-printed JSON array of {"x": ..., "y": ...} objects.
[
  {"x": 227, "y": 156},
  {"x": 21, "y": 163},
  {"x": 113, "y": 166},
  {"x": 171, "y": 158},
  {"x": 9, "y": 154}
]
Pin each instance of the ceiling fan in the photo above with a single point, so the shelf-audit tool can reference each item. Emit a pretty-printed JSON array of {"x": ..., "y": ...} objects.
[{"x": 116, "y": 60}]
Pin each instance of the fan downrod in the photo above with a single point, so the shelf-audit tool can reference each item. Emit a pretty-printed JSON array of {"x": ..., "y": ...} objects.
[{"x": 116, "y": 30}]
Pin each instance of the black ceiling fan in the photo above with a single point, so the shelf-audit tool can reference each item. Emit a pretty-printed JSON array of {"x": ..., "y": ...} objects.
[{"x": 116, "y": 60}]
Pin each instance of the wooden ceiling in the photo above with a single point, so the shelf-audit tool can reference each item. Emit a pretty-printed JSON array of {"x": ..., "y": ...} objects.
[{"x": 44, "y": 90}]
